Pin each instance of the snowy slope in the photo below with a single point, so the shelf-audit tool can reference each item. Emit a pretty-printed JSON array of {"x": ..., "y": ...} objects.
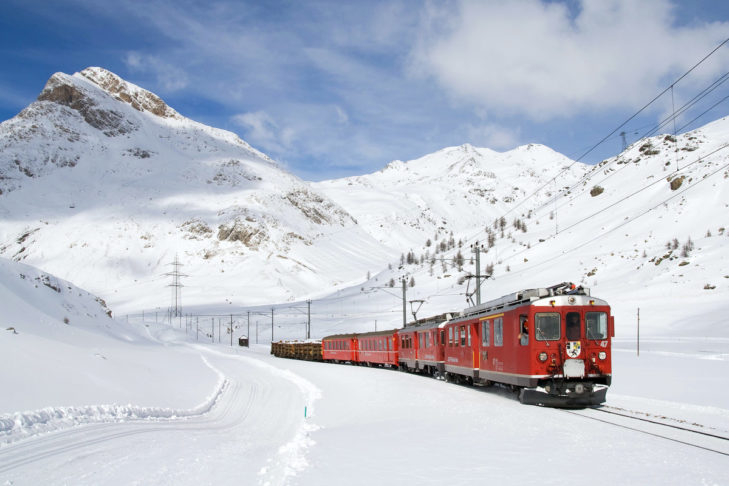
[
  {"x": 103, "y": 184},
  {"x": 647, "y": 229},
  {"x": 110, "y": 184},
  {"x": 455, "y": 189},
  {"x": 61, "y": 347}
]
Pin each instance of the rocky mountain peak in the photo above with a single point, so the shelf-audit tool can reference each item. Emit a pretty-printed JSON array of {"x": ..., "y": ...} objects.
[
  {"x": 65, "y": 90},
  {"x": 138, "y": 98}
]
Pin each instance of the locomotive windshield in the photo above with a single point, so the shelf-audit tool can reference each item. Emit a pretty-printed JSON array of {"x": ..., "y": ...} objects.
[
  {"x": 573, "y": 326},
  {"x": 596, "y": 324},
  {"x": 546, "y": 326}
]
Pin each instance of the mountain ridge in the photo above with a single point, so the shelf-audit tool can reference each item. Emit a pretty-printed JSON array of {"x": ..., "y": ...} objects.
[{"x": 250, "y": 233}]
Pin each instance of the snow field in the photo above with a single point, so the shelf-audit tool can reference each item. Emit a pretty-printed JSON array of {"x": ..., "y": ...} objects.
[{"x": 368, "y": 425}]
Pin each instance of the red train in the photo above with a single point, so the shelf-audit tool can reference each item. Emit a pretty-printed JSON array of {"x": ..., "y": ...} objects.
[{"x": 551, "y": 344}]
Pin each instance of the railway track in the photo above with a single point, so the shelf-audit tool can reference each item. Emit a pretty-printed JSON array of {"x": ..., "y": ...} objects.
[{"x": 689, "y": 434}]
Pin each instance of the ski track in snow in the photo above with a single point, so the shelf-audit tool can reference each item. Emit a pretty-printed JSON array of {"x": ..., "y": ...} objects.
[
  {"x": 290, "y": 458},
  {"x": 53, "y": 424},
  {"x": 20, "y": 425}
]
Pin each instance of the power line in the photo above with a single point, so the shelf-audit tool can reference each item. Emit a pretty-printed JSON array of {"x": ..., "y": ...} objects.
[{"x": 593, "y": 147}]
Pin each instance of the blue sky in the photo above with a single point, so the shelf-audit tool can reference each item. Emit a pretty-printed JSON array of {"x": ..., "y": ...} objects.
[{"x": 332, "y": 89}]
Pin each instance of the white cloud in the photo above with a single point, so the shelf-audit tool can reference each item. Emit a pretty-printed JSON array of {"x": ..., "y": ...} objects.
[
  {"x": 491, "y": 135},
  {"x": 541, "y": 60},
  {"x": 296, "y": 129},
  {"x": 169, "y": 77},
  {"x": 263, "y": 131}
]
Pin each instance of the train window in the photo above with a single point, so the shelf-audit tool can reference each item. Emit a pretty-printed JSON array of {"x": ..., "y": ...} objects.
[
  {"x": 523, "y": 331},
  {"x": 499, "y": 331},
  {"x": 572, "y": 327},
  {"x": 546, "y": 326},
  {"x": 596, "y": 324},
  {"x": 442, "y": 337},
  {"x": 463, "y": 335},
  {"x": 450, "y": 336},
  {"x": 485, "y": 333},
  {"x": 469, "y": 336}
]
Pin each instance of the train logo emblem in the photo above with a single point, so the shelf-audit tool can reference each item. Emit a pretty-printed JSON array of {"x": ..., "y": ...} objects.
[{"x": 573, "y": 349}]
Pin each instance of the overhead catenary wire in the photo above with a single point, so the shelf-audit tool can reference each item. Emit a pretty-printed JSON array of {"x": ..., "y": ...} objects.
[
  {"x": 714, "y": 85},
  {"x": 627, "y": 221},
  {"x": 614, "y": 131},
  {"x": 696, "y": 99}
]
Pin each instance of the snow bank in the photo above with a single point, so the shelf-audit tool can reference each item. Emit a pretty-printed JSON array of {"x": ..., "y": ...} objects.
[{"x": 19, "y": 425}]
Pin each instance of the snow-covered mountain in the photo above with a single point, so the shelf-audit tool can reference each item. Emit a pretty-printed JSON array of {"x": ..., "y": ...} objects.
[
  {"x": 457, "y": 189},
  {"x": 103, "y": 184},
  {"x": 647, "y": 229}
]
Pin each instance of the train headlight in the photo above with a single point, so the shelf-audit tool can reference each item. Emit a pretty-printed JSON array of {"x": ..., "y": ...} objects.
[
  {"x": 542, "y": 356},
  {"x": 602, "y": 355},
  {"x": 580, "y": 388}
]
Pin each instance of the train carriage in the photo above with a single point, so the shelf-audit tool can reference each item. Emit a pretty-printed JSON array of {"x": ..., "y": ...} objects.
[
  {"x": 340, "y": 348},
  {"x": 378, "y": 348},
  {"x": 551, "y": 344},
  {"x": 421, "y": 345},
  {"x": 430, "y": 350}
]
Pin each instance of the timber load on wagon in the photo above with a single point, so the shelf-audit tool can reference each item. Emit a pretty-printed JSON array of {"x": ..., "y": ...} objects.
[{"x": 307, "y": 350}]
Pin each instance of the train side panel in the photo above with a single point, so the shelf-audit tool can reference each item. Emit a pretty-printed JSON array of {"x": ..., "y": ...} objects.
[
  {"x": 378, "y": 348},
  {"x": 340, "y": 348}
]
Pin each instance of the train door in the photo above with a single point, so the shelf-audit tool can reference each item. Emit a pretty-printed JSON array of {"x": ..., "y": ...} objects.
[
  {"x": 520, "y": 341},
  {"x": 474, "y": 329}
]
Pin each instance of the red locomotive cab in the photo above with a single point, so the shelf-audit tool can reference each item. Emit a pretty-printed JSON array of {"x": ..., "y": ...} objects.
[
  {"x": 553, "y": 344},
  {"x": 572, "y": 348},
  {"x": 573, "y": 341}
]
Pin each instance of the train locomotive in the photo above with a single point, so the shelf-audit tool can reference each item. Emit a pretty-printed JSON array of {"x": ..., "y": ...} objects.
[{"x": 551, "y": 345}]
